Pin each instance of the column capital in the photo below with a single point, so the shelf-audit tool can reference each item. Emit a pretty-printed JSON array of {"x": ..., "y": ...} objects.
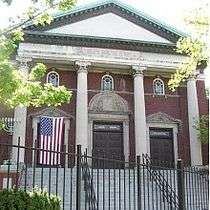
[
  {"x": 23, "y": 64},
  {"x": 83, "y": 66},
  {"x": 23, "y": 60},
  {"x": 192, "y": 77},
  {"x": 138, "y": 70}
]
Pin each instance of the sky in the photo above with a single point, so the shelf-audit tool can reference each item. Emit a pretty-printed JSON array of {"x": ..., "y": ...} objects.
[{"x": 172, "y": 12}]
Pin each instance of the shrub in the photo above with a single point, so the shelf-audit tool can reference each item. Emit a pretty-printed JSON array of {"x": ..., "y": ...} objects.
[{"x": 36, "y": 200}]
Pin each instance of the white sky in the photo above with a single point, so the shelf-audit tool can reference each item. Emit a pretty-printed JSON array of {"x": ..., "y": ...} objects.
[{"x": 172, "y": 12}]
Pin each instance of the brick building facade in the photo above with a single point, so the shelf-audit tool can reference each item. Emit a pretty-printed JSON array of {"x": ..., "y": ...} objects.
[{"x": 121, "y": 104}]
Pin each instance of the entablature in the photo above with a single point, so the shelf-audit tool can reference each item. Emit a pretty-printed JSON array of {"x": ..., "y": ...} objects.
[{"x": 103, "y": 58}]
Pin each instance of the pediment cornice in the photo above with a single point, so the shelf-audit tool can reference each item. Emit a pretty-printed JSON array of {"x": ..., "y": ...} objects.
[
  {"x": 161, "y": 117},
  {"x": 115, "y": 7},
  {"x": 51, "y": 112}
]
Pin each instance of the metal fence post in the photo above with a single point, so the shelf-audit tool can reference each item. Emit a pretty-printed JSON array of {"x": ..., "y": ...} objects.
[
  {"x": 180, "y": 185},
  {"x": 78, "y": 189},
  {"x": 139, "y": 182}
]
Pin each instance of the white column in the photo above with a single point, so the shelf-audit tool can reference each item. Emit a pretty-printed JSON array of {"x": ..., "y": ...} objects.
[
  {"x": 82, "y": 105},
  {"x": 20, "y": 114},
  {"x": 66, "y": 139},
  {"x": 193, "y": 116},
  {"x": 139, "y": 111}
]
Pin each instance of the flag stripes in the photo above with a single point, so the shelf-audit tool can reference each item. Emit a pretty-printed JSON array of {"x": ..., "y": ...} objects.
[{"x": 51, "y": 133}]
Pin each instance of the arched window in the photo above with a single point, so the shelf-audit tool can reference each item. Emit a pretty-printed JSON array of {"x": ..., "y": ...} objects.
[
  {"x": 158, "y": 87},
  {"x": 107, "y": 83},
  {"x": 53, "y": 78}
]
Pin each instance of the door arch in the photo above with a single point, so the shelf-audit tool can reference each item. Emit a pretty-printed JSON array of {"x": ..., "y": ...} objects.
[{"x": 109, "y": 107}]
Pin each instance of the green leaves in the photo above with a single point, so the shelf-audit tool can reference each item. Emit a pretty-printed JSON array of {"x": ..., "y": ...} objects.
[
  {"x": 182, "y": 74},
  {"x": 194, "y": 47},
  {"x": 37, "y": 199},
  {"x": 17, "y": 35},
  {"x": 37, "y": 72},
  {"x": 202, "y": 126},
  {"x": 15, "y": 88},
  {"x": 36, "y": 94},
  {"x": 43, "y": 19},
  {"x": 2, "y": 125},
  {"x": 66, "y": 4}
]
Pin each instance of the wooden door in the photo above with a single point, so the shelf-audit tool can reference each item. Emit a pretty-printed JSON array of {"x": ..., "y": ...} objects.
[
  {"x": 161, "y": 146},
  {"x": 107, "y": 143}
]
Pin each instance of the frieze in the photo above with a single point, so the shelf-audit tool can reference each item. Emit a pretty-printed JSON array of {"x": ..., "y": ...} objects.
[{"x": 69, "y": 53}]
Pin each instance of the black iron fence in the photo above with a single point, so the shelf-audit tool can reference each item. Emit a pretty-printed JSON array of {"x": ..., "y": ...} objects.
[{"x": 110, "y": 184}]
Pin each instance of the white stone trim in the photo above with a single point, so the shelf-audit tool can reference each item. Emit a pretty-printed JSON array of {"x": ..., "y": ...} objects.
[
  {"x": 193, "y": 116},
  {"x": 139, "y": 111},
  {"x": 20, "y": 113},
  {"x": 174, "y": 126},
  {"x": 82, "y": 104},
  {"x": 98, "y": 55},
  {"x": 110, "y": 118}
]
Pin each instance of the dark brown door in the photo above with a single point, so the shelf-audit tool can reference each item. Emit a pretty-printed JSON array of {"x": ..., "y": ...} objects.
[
  {"x": 161, "y": 146},
  {"x": 107, "y": 143}
]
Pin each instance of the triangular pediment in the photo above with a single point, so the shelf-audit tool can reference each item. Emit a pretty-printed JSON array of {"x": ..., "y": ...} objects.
[
  {"x": 161, "y": 117},
  {"x": 51, "y": 112},
  {"x": 109, "y": 25},
  {"x": 109, "y": 20}
]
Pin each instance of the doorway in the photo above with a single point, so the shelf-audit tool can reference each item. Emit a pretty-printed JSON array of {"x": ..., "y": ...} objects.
[{"x": 107, "y": 143}]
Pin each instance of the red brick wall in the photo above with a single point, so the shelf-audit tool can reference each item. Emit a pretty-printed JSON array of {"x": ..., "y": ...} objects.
[
  {"x": 203, "y": 109},
  {"x": 175, "y": 105},
  {"x": 67, "y": 78}
]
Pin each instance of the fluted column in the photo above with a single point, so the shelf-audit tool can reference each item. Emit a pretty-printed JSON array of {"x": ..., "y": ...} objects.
[
  {"x": 139, "y": 110},
  {"x": 82, "y": 105},
  {"x": 193, "y": 116},
  {"x": 20, "y": 114}
]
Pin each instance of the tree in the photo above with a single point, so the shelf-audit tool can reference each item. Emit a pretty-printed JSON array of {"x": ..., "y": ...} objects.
[
  {"x": 15, "y": 88},
  {"x": 202, "y": 127},
  {"x": 194, "y": 46}
]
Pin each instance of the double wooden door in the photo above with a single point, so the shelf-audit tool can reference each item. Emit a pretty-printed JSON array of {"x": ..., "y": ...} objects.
[
  {"x": 161, "y": 146},
  {"x": 107, "y": 143}
]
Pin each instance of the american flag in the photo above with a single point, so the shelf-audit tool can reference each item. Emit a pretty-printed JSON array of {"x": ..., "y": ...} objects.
[{"x": 51, "y": 134}]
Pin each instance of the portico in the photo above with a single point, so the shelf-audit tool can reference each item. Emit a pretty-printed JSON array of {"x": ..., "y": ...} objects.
[{"x": 118, "y": 78}]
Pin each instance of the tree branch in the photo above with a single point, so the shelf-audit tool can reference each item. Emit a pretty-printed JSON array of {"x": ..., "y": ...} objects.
[{"x": 21, "y": 24}]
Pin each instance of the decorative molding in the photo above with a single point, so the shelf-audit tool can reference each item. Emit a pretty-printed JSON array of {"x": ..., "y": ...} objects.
[
  {"x": 98, "y": 55},
  {"x": 161, "y": 117},
  {"x": 23, "y": 60},
  {"x": 23, "y": 65},
  {"x": 51, "y": 112},
  {"x": 108, "y": 102},
  {"x": 83, "y": 66},
  {"x": 139, "y": 70},
  {"x": 71, "y": 40}
]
